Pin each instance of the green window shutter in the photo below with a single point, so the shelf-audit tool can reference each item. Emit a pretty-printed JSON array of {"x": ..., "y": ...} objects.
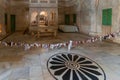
[
  {"x": 104, "y": 17},
  {"x": 107, "y": 17}
]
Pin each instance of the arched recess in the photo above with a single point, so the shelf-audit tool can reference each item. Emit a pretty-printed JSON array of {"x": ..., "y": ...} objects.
[
  {"x": 42, "y": 18},
  {"x": 34, "y": 17}
]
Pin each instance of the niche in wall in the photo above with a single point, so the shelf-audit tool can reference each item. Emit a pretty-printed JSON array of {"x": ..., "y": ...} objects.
[{"x": 42, "y": 18}]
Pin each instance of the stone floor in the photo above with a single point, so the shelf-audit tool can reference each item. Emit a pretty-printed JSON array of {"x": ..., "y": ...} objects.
[{"x": 17, "y": 64}]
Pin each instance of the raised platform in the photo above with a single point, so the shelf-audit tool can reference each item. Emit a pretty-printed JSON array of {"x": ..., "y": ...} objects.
[{"x": 43, "y": 30}]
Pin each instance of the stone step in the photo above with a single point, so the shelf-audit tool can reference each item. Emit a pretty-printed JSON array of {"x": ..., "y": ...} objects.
[{"x": 116, "y": 39}]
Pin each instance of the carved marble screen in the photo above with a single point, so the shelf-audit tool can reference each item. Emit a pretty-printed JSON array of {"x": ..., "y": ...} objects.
[{"x": 43, "y": 16}]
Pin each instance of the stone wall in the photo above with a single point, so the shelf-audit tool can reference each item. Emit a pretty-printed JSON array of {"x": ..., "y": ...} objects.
[
  {"x": 97, "y": 26},
  {"x": 22, "y": 16},
  {"x": 83, "y": 10},
  {"x": 21, "y": 13},
  {"x": 85, "y": 14},
  {"x": 89, "y": 17},
  {"x": 114, "y": 4},
  {"x": 65, "y": 10}
]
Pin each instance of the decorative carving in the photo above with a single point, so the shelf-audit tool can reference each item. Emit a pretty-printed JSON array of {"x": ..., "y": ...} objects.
[
  {"x": 43, "y": 17},
  {"x": 68, "y": 66}
]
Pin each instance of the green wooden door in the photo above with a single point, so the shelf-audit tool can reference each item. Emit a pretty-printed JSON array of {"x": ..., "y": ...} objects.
[
  {"x": 67, "y": 19},
  {"x": 74, "y": 18},
  {"x": 13, "y": 23}
]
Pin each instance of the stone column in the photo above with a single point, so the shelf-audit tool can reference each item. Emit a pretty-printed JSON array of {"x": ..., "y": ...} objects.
[{"x": 96, "y": 28}]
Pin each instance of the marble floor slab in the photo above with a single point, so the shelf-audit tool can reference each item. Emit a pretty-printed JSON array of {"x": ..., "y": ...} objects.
[{"x": 17, "y": 64}]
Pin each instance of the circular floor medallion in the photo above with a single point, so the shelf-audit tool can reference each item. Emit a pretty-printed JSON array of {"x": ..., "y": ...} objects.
[{"x": 71, "y": 66}]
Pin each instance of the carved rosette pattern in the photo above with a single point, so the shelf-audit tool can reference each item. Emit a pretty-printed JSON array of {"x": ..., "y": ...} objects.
[{"x": 67, "y": 66}]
